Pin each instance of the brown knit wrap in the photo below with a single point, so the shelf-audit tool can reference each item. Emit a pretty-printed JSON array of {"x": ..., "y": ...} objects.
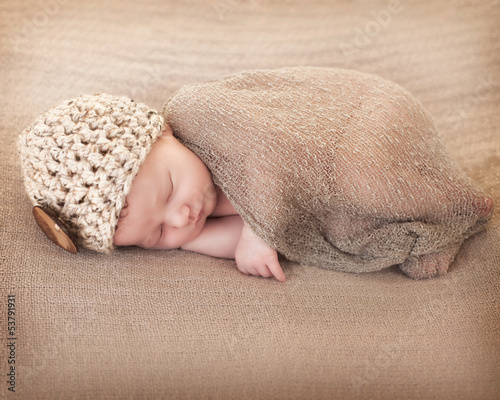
[{"x": 333, "y": 168}]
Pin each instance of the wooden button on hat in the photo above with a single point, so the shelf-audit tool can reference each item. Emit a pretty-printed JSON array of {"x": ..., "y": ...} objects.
[{"x": 54, "y": 228}]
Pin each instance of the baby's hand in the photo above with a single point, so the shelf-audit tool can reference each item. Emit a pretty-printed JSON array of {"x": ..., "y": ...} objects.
[{"x": 253, "y": 256}]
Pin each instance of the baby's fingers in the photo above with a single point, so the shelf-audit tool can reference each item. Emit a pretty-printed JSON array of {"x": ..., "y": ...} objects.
[
  {"x": 249, "y": 270},
  {"x": 264, "y": 271},
  {"x": 276, "y": 270},
  {"x": 243, "y": 269}
]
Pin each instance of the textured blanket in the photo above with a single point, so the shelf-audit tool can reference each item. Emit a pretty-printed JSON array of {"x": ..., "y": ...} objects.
[{"x": 334, "y": 168}]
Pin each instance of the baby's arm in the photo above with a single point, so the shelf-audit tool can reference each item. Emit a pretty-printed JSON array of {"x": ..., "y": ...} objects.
[
  {"x": 230, "y": 237},
  {"x": 218, "y": 238}
]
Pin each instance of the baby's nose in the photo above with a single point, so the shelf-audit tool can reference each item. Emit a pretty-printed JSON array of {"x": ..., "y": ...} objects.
[{"x": 182, "y": 217}]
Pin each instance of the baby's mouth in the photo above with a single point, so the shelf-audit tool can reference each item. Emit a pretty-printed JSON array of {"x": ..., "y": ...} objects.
[{"x": 199, "y": 215}]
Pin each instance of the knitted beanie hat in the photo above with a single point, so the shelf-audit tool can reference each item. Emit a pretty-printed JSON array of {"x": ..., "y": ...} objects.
[{"x": 79, "y": 160}]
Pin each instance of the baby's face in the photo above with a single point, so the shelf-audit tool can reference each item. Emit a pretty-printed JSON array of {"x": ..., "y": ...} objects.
[{"x": 170, "y": 199}]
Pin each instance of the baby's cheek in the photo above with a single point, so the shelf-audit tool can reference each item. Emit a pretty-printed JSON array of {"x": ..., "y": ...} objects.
[
  {"x": 122, "y": 235},
  {"x": 118, "y": 236}
]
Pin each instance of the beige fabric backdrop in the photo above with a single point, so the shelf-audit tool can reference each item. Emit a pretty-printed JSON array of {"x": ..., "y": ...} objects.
[{"x": 141, "y": 324}]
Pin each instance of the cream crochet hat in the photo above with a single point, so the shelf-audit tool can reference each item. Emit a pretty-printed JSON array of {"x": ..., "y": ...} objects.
[{"x": 80, "y": 158}]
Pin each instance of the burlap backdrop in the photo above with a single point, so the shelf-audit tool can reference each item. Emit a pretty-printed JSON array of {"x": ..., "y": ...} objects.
[{"x": 142, "y": 324}]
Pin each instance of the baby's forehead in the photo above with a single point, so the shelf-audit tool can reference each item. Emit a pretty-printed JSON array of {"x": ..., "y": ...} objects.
[{"x": 169, "y": 153}]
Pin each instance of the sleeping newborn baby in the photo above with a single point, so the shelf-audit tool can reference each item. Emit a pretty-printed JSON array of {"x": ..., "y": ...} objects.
[
  {"x": 173, "y": 203},
  {"x": 327, "y": 167}
]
